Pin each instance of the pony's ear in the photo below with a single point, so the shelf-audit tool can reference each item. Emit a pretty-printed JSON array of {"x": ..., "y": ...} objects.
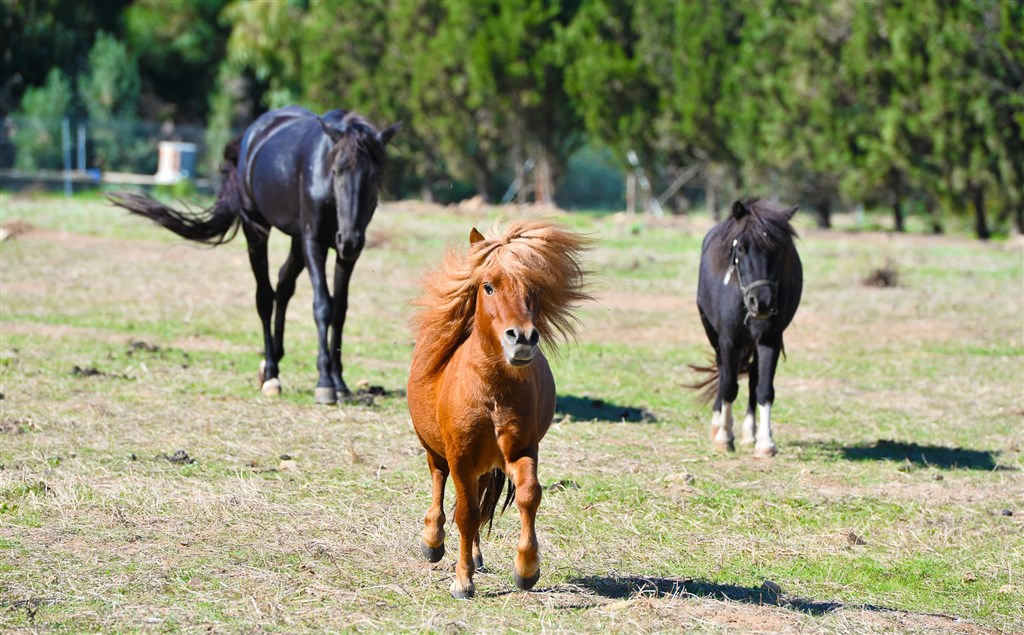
[
  {"x": 475, "y": 236},
  {"x": 334, "y": 133},
  {"x": 384, "y": 136},
  {"x": 739, "y": 210},
  {"x": 791, "y": 211}
]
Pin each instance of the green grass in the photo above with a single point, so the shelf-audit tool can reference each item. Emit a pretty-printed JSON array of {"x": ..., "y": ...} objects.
[{"x": 898, "y": 416}]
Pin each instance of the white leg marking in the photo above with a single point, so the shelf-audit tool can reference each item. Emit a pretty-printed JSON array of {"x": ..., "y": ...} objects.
[
  {"x": 764, "y": 446},
  {"x": 747, "y": 434},
  {"x": 724, "y": 437}
]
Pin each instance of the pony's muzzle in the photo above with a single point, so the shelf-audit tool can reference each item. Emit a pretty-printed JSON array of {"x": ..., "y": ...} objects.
[
  {"x": 520, "y": 345},
  {"x": 760, "y": 305},
  {"x": 349, "y": 245}
]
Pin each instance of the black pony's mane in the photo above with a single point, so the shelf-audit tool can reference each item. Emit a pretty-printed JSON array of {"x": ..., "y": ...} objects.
[{"x": 765, "y": 226}]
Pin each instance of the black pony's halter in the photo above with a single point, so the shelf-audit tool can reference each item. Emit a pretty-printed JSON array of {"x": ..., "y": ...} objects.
[{"x": 748, "y": 288}]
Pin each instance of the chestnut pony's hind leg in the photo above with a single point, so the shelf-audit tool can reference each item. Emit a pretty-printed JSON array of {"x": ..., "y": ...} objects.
[
  {"x": 432, "y": 539},
  {"x": 478, "y": 556},
  {"x": 528, "y": 495}
]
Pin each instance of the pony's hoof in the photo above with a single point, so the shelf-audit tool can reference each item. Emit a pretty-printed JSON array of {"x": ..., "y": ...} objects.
[
  {"x": 526, "y": 583},
  {"x": 272, "y": 387},
  {"x": 432, "y": 554},
  {"x": 325, "y": 395},
  {"x": 343, "y": 395},
  {"x": 462, "y": 593},
  {"x": 747, "y": 443},
  {"x": 765, "y": 451},
  {"x": 725, "y": 446},
  {"x": 478, "y": 562}
]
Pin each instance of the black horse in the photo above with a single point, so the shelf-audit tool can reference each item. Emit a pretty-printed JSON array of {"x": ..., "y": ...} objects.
[
  {"x": 747, "y": 294},
  {"x": 316, "y": 179}
]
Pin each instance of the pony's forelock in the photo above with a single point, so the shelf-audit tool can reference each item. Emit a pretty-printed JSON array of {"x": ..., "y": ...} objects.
[
  {"x": 766, "y": 226},
  {"x": 535, "y": 255}
]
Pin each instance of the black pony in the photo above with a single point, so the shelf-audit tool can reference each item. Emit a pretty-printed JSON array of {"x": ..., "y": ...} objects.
[
  {"x": 747, "y": 294},
  {"x": 315, "y": 179}
]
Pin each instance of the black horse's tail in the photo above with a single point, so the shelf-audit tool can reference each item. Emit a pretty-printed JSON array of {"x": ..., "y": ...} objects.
[
  {"x": 490, "y": 494},
  {"x": 215, "y": 225},
  {"x": 708, "y": 386}
]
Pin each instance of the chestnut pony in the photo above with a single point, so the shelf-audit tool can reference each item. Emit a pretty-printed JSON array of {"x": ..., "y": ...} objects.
[{"x": 481, "y": 393}]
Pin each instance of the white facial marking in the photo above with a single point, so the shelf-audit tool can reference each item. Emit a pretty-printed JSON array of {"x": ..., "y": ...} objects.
[{"x": 728, "y": 275}]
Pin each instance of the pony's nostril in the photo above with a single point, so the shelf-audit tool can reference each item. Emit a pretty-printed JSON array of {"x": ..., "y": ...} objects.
[
  {"x": 512, "y": 335},
  {"x": 534, "y": 337}
]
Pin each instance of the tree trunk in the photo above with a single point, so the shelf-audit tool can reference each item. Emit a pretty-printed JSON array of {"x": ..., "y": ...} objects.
[
  {"x": 933, "y": 216},
  {"x": 825, "y": 214},
  {"x": 518, "y": 164},
  {"x": 897, "y": 214},
  {"x": 1018, "y": 219},
  {"x": 482, "y": 183},
  {"x": 980, "y": 221},
  {"x": 710, "y": 197},
  {"x": 544, "y": 177},
  {"x": 895, "y": 182}
]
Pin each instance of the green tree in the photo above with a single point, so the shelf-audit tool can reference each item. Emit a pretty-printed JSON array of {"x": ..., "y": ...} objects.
[
  {"x": 109, "y": 92},
  {"x": 37, "y": 137},
  {"x": 612, "y": 87},
  {"x": 179, "y": 52},
  {"x": 39, "y": 35}
]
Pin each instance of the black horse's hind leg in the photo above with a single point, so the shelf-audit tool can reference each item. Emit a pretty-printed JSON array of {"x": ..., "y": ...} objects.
[
  {"x": 316, "y": 255},
  {"x": 728, "y": 370},
  {"x": 257, "y": 241},
  {"x": 767, "y": 361},
  {"x": 748, "y": 426},
  {"x": 342, "y": 275},
  {"x": 286, "y": 278}
]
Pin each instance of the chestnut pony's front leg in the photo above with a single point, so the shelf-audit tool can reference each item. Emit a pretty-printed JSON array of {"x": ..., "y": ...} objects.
[
  {"x": 467, "y": 518},
  {"x": 528, "y": 494},
  {"x": 432, "y": 539}
]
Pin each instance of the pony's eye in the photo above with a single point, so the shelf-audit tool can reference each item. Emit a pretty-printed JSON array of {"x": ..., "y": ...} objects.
[{"x": 488, "y": 289}]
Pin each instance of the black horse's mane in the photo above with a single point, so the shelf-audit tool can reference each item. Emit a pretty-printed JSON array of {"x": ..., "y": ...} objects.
[
  {"x": 359, "y": 143},
  {"x": 766, "y": 226}
]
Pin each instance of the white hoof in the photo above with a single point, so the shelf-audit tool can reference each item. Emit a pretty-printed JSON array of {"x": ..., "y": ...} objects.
[
  {"x": 765, "y": 451},
  {"x": 272, "y": 387}
]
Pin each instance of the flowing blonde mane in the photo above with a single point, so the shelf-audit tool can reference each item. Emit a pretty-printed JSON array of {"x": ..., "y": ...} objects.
[{"x": 538, "y": 256}]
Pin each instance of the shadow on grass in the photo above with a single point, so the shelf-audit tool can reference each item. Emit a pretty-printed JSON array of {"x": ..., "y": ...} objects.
[
  {"x": 936, "y": 456},
  {"x": 623, "y": 588},
  {"x": 589, "y": 409}
]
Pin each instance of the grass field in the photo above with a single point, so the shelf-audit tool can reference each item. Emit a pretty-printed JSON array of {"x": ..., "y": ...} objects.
[{"x": 896, "y": 502}]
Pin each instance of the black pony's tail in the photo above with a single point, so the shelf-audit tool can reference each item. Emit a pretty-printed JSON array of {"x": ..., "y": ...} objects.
[
  {"x": 215, "y": 225},
  {"x": 708, "y": 385},
  {"x": 490, "y": 494}
]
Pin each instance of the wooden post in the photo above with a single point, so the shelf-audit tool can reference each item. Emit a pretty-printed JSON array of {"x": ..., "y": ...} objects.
[{"x": 631, "y": 193}]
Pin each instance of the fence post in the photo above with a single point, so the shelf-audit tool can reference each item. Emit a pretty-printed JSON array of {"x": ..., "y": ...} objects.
[
  {"x": 630, "y": 193},
  {"x": 65, "y": 142},
  {"x": 81, "y": 147}
]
